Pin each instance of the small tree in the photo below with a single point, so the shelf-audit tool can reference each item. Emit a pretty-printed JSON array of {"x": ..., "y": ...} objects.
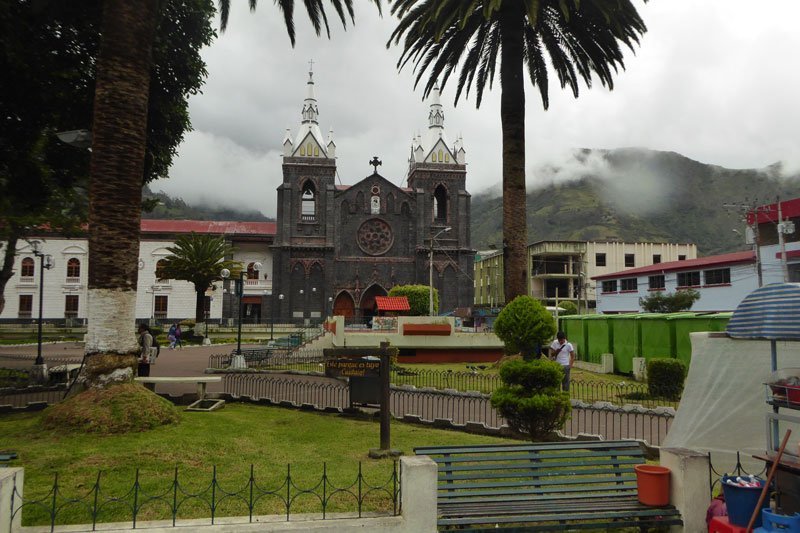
[
  {"x": 531, "y": 399},
  {"x": 523, "y": 325},
  {"x": 418, "y": 298},
  {"x": 568, "y": 308},
  {"x": 659, "y": 302},
  {"x": 198, "y": 259}
]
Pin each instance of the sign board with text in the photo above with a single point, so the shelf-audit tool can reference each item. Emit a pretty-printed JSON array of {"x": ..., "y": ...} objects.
[{"x": 359, "y": 367}]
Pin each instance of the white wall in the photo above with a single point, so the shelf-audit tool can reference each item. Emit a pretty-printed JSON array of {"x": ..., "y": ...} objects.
[
  {"x": 181, "y": 303},
  {"x": 771, "y": 265},
  {"x": 712, "y": 298}
]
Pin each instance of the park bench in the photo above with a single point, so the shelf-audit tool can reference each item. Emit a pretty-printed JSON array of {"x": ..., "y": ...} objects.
[
  {"x": 542, "y": 486},
  {"x": 6, "y": 457},
  {"x": 202, "y": 382}
]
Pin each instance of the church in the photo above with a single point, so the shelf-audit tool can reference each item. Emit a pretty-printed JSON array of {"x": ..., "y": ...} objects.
[{"x": 338, "y": 246}]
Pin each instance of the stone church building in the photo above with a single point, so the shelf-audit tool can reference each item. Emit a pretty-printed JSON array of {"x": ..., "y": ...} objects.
[{"x": 338, "y": 246}]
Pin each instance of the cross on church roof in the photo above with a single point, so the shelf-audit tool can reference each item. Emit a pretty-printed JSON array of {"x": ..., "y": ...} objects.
[
  {"x": 310, "y": 65},
  {"x": 375, "y": 163}
]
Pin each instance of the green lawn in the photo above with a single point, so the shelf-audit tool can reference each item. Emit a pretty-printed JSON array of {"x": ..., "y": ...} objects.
[{"x": 232, "y": 439}]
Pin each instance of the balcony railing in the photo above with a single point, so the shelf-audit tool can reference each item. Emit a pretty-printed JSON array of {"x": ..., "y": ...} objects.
[
  {"x": 27, "y": 280},
  {"x": 73, "y": 280}
]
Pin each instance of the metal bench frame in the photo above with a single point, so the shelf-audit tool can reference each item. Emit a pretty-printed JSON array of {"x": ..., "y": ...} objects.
[{"x": 542, "y": 486}]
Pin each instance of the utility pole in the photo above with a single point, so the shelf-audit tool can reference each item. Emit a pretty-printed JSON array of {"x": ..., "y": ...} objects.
[
  {"x": 755, "y": 210},
  {"x": 782, "y": 242}
]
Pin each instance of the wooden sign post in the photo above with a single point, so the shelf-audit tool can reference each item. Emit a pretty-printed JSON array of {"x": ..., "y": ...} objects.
[{"x": 368, "y": 372}]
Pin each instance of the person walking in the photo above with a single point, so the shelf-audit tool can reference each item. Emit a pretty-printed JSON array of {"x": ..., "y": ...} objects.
[
  {"x": 171, "y": 336},
  {"x": 178, "y": 334},
  {"x": 563, "y": 353},
  {"x": 146, "y": 342}
]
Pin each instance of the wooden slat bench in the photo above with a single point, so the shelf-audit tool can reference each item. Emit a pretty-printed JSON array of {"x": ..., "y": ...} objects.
[
  {"x": 202, "y": 381},
  {"x": 542, "y": 486}
]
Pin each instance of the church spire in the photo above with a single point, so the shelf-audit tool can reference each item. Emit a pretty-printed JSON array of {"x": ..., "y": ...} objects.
[
  {"x": 310, "y": 111},
  {"x": 436, "y": 116},
  {"x": 309, "y": 141}
]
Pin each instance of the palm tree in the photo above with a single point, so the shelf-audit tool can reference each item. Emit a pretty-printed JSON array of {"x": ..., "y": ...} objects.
[
  {"x": 581, "y": 39},
  {"x": 117, "y": 165},
  {"x": 198, "y": 259}
]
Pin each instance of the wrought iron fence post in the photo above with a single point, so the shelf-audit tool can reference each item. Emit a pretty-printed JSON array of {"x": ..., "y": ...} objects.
[
  {"x": 175, "y": 496},
  {"x": 135, "y": 498},
  {"x": 96, "y": 495},
  {"x": 53, "y": 508},
  {"x": 360, "y": 479},
  {"x": 288, "y": 489},
  {"x": 251, "y": 482},
  {"x": 324, "y": 489},
  {"x": 213, "y": 494}
]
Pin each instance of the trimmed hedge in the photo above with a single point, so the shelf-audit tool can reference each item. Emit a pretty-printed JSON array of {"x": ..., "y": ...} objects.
[
  {"x": 665, "y": 378},
  {"x": 418, "y": 298}
]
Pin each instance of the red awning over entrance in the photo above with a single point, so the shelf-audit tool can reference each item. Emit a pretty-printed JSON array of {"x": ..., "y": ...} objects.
[{"x": 392, "y": 303}]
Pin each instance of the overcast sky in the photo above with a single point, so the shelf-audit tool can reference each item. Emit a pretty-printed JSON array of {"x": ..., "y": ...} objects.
[{"x": 717, "y": 81}]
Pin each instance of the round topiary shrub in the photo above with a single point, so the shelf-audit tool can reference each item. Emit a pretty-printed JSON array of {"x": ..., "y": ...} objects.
[
  {"x": 665, "y": 378},
  {"x": 524, "y": 325},
  {"x": 531, "y": 399}
]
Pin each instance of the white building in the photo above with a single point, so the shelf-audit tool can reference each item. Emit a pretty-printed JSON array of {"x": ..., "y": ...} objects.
[
  {"x": 722, "y": 281},
  {"x": 768, "y": 225},
  {"x": 66, "y": 283}
]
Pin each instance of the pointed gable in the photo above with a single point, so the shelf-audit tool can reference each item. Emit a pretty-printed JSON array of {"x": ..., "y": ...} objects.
[
  {"x": 440, "y": 153},
  {"x": 309, "y": 146}
]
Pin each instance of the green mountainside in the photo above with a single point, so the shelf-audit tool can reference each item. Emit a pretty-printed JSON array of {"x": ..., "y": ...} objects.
[{"x": 638, "y": 195}]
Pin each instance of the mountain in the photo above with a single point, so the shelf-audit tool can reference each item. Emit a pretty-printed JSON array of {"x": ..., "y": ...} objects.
[
  {"x": 635, "y": 194},
  {"x": 162, "y": 206}
]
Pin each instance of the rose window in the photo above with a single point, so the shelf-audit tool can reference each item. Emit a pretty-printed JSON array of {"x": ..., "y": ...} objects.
[{"x": 375, "y": 237}]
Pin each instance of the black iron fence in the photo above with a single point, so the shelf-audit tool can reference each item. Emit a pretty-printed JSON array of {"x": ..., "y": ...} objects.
[
  {"x": 458, "y": 409},
  {"x": 173, "y": 499},
  {"x": 736, "y": 469},
  {"x": 22, "y": 396}
]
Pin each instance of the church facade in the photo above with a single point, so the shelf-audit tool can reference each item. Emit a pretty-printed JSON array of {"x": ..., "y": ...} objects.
[{"x": 338, "y": 246}]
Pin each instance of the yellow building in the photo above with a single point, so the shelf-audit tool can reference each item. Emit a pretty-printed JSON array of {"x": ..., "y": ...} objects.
[{"x": 562, "y": 270}]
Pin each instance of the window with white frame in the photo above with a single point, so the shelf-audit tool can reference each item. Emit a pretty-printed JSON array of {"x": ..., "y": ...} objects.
[
  {"x": 628, "y": 284},
  {"x": 719, "y": 276},
  {"x": 657, "y": 282},
  {"x": 688, "y": 279},
  {"x": 71, "y": 306},
  {"x": 610, "y": 286},
  {"x": 27, "y": 268},
  {"x": 25, "y": 305}
]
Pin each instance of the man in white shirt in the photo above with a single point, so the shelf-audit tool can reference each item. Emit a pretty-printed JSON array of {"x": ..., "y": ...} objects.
[{"x": 564, "y": 354}]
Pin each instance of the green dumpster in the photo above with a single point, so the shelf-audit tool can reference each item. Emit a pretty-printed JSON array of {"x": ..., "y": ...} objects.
[
  {"x": 574, "y": 326},
  {"x": 295, "y": 339},
  {"x": 598, "y": 337},
  {"x": 627, "y": 340},
  {"x": 657, "y": 335},
  {"x": 686, "y": 323}
]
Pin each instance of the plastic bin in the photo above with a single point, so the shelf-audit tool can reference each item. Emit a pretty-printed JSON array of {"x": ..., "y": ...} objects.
[
  {"x": 627, "y": 342},
  {"x": 686, "y": 323},
  {"x": 652, "y": 482},
  {"x": 779, "y": 522},
  {"x": 658, "y": 335},
  {"x": 598, "y": 337},
  {"x": 741, "y": 502}
]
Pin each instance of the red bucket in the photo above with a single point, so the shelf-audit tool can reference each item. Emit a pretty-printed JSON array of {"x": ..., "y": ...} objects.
[{"x": 653, "y": 483}]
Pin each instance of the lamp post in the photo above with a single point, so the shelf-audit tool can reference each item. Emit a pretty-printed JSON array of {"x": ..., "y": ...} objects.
[
  {"x": 272, "y": 324},
  {"x": 430, "y": 274},
  {"x": 330, "y": 305},
  {"x": 46, "y": 263},
  {"x": 239, "y": 291}
]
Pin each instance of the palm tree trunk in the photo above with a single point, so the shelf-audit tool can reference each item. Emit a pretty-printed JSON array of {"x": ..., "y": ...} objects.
[
  {"x": 9, "y": 254},
  {"x": 200, "y": 305},
  {"x": 512, "y": 115},
  {"x": 115, "y": 190}
]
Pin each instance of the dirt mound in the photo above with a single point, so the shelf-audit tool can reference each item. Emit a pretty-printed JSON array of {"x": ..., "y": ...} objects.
[{"x": 122, "y": 408}]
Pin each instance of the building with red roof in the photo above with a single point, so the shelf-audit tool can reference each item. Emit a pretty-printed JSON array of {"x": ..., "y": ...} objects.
[{"x": 722, "y": 281}]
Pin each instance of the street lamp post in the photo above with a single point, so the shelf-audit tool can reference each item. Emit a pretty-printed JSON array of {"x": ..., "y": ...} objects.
[
  {"x": 430, "y": 274},
  {"x": 330, "y": 305},
  {"x": 238, "y": 361},
  {"x": 46, "y": 263}
]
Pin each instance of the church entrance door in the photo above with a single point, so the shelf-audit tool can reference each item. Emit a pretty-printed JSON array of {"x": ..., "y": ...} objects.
[
  {"x": 368, "y": 306},
  {"x": 344, "y": 305}
]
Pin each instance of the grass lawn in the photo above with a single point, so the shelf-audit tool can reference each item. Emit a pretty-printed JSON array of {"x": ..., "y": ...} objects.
[{"x": 270, "y": 438}]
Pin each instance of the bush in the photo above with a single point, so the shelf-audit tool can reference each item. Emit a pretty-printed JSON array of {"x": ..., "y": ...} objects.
[
  {"x": 418, "y": 298},
  {"x": 523, "y": 325},
  {"x": 569, "y": 308},
  {"x": 658, "y": 302},
  {"x": 665, "y": 378},
  {"x": 531, "y": 399}
]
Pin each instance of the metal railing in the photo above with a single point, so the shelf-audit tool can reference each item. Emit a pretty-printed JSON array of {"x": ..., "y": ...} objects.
[
  {"x": 429, "y": 406},
  {"x": 178, "y": 498},
  {"x": 586, "y": 391},
  {"x": 715, "y": 477},
  {"x": 22, "y": 396}
]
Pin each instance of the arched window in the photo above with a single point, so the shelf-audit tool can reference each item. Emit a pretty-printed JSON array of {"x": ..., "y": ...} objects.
[
  {"x": 308, "y": 208},
  {"x": 27, "y": 268},
  {"x": 73, "y": 268},
  {"x": 160, "y": 276},
  {"x": 440, "y": 204},
  {"x": 252, "y": 273}
]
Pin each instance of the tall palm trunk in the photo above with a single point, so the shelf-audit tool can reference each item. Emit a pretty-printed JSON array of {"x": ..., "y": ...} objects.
[
  {"x": 512, "y": 116},
  {"x": 115, "y": 191},
  {"x": 199, "y": 305}
]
